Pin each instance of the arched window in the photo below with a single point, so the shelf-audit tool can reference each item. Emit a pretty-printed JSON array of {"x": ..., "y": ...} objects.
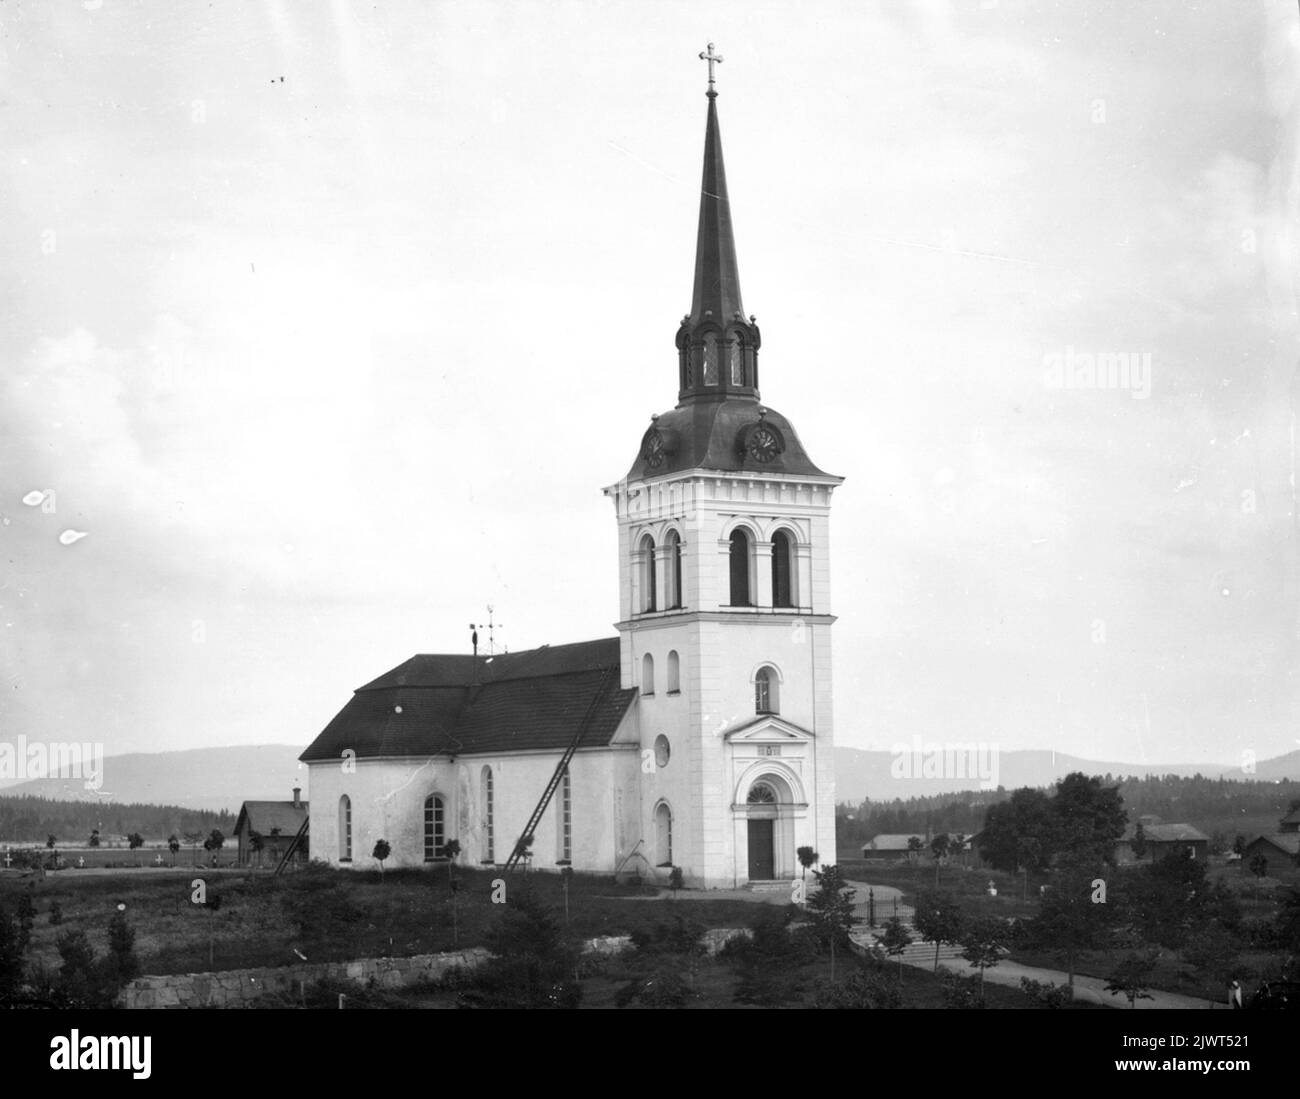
[
  {"x": 565, "y": 830},
  {"x": 782, "y": 570},
  {"x": 674, "y": 673},
  {"x": 674, "y": 578},
  {"x": 489, "y": 809},
  {"x": 435, "y": 827},
  {"x": 740, "y": 569},
  {"x": 663, "y": 835},
  {"x": 735, "y": 357},
  {"x": 766, "y": 689},
  {"x": 345, "y": 829},
  {"x": 647, "y": 674},
  {"x": 711, "y": 359},
  {"x": 648, "y": 601}
]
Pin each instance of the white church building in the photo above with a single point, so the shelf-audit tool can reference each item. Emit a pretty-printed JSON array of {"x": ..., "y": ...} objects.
[{"x": 700, "y": 737}]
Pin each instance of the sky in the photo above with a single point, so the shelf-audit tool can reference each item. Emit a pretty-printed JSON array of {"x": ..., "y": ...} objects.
[{"x": 323, "y": 326}]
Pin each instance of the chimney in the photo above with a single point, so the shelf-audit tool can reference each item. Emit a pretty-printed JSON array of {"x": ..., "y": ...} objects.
[{"x": 297, "y": 799}]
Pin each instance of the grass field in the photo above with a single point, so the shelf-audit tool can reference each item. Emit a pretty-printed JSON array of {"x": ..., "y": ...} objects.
[{"x": 328, "y": 915}]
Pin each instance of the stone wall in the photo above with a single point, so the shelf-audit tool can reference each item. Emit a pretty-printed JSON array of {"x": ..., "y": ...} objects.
[{"x": 240, "y": 987}]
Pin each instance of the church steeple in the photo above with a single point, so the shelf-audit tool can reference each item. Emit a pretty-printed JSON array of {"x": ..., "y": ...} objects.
[{"x": 717, "y": 345}]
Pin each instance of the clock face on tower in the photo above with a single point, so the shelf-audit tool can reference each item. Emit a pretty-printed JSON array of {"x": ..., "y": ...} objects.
[
  {"x": 763, "y": 445},
  {"x": 654, "y": 450}
]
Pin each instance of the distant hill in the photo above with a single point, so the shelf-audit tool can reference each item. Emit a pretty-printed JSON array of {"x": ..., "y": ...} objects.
[
  {"x": 863, "y": 774},
  {"x": 200, "y": 778},
  {"x": 221, "y": 778}
]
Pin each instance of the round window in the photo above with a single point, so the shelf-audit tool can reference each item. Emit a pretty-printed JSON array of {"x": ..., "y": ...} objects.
[{"x": 662, "y": 751}]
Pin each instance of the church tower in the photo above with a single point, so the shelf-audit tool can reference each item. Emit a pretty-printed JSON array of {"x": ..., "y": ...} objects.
[{"x": 724, "y": 574}]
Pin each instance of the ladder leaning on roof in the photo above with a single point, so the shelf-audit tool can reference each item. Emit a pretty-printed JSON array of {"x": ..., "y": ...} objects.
[
  {"x": 526, "y": 839},
  {"x": 294, "y": 844}
]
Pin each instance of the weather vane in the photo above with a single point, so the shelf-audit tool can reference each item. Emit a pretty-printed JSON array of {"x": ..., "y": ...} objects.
[{"x": 713, "y": 59}]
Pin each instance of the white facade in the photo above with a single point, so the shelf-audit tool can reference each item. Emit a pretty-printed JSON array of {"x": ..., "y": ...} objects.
[
  {"x": 387, "y": 799},
  {"x": 719, "y": 746}
]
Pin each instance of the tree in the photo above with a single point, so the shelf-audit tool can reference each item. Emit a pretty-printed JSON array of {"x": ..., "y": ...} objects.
[
  {"x": 1090, "y": 819},
  {"x": 194, "y": 839},
  {"x": 173, "y": 845},
  {"x": 1073, "y": 917},
  {"x": 939, "y": 848},
  {"x": 94, "y": 838},
  {"x": 1132, "y": 977},
  {"x": 1239, "y": 844},
  {"x": 895, "y": 940},
  {"x": 915, "y": 845},
  {"x": 1020, "y": 832},
  {"x": 958, "y": 845},
  {"x": 382, "y": 851},
  {"x": 134, "y": 841},
  {"x": 11, "y": 956},
  {"x": 939, "y": 920},
  {"x": 1286, "y": 926},
  {"x": 255, "y": 844},
  {"x": 78, "y": 974},
  {"x": 807, "y": 857},
  {"x": 1259, "y": 864},
  {"x": 1213, "y": 955},
  {"x": 50, "y": 841},
  {"x": 451, "y": 849},
  {"x": 1169, "y": 898},
  {"x": 831, "y": 909},
  {"x": 533, "y": 963},
  {"x": 214, "y": 843},
  {"x": 985, "y": 940},
  {"x": 1139, "y": 843},
  {"x": 121, "y": 965},
  {"x": 26, "y": 918}
]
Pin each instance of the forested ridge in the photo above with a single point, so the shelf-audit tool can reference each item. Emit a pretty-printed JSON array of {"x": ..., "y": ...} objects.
[
  {"x": 1211, "y": 804},
  {"x": 28, "y": 819}
]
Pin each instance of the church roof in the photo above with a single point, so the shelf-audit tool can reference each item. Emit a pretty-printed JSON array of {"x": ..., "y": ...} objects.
[
  {"x": 710, "y": 435},
  {"x": 454, "y": 704}
]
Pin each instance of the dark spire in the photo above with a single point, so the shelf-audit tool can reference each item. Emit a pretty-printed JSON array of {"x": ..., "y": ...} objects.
[
  {"x": 717, "y": 275},
  {"x": 717, "y": 344}
]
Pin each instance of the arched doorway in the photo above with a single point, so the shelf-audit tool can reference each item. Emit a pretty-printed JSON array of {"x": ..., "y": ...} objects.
[{"x": 761, "y": 810}]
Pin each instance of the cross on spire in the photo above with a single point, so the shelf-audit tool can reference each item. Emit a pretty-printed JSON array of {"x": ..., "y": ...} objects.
[{"x": 713, "y": 59}]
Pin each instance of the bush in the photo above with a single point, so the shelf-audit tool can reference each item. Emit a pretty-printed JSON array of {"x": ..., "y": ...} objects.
[
  {"x": 533, "y": 964},
  {"x": 771, "y": 962},
  {"x": 681, "y": 936},
  {"x": 662, "y": 986},
  {"x": 870, "y": 989},
  {"x": 960, "y": 992},
  {"x": 1047, "y": 995}
]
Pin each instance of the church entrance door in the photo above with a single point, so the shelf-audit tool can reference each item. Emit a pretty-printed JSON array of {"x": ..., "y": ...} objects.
[{"x": 762, "y": 850}]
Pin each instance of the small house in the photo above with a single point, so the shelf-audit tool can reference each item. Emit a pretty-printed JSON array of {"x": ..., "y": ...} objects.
[{"x": 276, "y": 822}]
